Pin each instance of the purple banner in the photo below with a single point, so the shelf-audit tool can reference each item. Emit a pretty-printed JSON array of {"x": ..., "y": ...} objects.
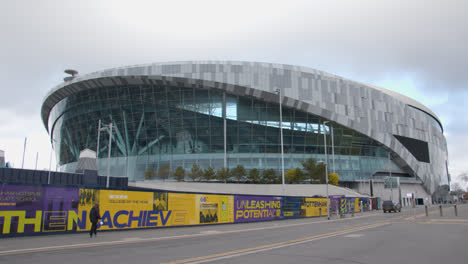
[
  {"x": 335, "y": 202},
  {"x": 256, "y": 208},
  {"x": 20, "y": 209},
  {"x": 58, "y": 202},
  {"x": 33, "y": 209}
]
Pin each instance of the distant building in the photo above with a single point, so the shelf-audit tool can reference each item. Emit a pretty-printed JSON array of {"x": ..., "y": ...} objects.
[{"x": 2, "y": 158}]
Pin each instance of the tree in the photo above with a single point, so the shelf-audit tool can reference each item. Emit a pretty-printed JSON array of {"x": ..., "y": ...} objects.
[
  {"x": 333, "y": 178},
  {"x": 195, "y": 172},
  {"x": 209, "y": 174},
  {"x": 456, "y": 188},
  {"x": 319, "y": 173},
  {"x": 463, "y": 177},
  {"x": 294, "y": 176},
  {"x": 310, "y": 170},
  {"x": 314, "y": 171},
  {"x": 269, "y": 176},
  {"x": 254, "y": 175},
  {"x": 149, "y": 174},
  {"x": 179, "y": 174},
  {"x": 164, "y": 171},
  {"x": 223, "y": 174},
  {"x": 238, "y": 172}
]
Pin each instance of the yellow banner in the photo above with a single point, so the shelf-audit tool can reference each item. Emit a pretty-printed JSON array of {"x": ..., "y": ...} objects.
[
  {"x": 314, "y": 207},
  {"x": 87, "y": 199},
  {"x": 183, "y": 209},
  {"x": 215, "y": 208}
]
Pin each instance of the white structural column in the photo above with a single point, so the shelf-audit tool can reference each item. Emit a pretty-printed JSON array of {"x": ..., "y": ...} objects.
[
  {"x": 97, "y": 147},
  {"x": 390, "y": 173},
  {"x": 281, "y": 135},
  {"x": 108, "y": 154},
  {"x": 326, "y": 166}
]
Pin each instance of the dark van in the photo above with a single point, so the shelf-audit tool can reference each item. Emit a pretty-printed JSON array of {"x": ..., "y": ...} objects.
[{"x": 389, "y": 206}]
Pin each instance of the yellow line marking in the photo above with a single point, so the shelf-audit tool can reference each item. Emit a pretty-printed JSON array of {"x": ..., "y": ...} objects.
[
  {"x": 270, "y": 246},
  {"x": 438, "y": 223},
  {"x": 450, "y": 220},
  {"x": 434, "y": 210}
]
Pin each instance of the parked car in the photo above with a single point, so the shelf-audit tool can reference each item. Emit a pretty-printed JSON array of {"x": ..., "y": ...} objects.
[{"x": 389, "y": 206}]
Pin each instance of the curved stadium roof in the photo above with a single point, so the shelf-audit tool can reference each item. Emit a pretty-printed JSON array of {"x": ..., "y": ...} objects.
[{"x": 66, "y": 89}]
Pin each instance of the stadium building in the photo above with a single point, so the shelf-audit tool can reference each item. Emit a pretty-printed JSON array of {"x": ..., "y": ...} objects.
[{"x": 223, "y": 113}]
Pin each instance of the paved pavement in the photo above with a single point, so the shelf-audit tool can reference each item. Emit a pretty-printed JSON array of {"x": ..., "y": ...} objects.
[{"x": 406, "y": 237}]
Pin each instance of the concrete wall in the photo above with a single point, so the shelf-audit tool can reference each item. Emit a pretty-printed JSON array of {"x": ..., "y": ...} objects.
[
  {"x": 386, "y": 194},
  {"x": 253, "y": 189}
]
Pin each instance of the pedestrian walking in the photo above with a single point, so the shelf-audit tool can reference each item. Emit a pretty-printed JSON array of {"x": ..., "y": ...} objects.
[{"x": 94, "y": 217}]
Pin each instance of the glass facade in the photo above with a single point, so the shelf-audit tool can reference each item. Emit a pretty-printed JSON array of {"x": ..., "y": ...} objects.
[{"x": 159, "y": 124}]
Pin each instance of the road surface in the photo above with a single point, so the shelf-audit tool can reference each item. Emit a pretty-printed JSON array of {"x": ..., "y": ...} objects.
[{"x": 374, "y": 237}]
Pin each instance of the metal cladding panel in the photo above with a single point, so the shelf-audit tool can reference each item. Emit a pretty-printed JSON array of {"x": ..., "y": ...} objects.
[{"x": 362, "y": 107}]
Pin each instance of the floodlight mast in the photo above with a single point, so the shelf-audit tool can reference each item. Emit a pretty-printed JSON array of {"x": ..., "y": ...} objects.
[{"x": 72, "y": 72}]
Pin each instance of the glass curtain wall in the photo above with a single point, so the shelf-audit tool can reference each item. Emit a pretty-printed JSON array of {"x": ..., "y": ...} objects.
[{"x": 179, "y": 126}]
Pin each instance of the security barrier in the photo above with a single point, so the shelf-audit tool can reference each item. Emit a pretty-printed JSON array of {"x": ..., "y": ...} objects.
[{"x": 28, "y": 210}]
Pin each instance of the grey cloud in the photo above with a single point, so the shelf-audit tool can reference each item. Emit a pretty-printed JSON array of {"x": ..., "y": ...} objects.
[{"x": 362, "y": 40}]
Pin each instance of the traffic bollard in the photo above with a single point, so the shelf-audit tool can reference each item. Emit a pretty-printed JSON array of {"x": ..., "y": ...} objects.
[
  {"x": 427, "y": 212},
  {"x": 320, "y": 211},
  {"x": 456, "y": 211},
  {"x": 440, "y": 207}
]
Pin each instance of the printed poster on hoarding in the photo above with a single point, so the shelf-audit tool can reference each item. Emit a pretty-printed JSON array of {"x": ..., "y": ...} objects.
[
  {"x": 214, "y": 209},
  {"x": 59, "y": 203},
  {"x": 256, "y": 208},
  {"x": 183, "y": 209},
  {"x": 314, "y": 207},
  {"x": 18, "y": 203},
  {"x": 292, "y": 207},
  {"x": 130, "y": 209},
  {"x": 32, "y": 209}
]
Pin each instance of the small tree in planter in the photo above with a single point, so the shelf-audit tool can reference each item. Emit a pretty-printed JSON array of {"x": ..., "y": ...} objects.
[
  {"x": 269, "y": 176},
  {"x": 179, "y": 174},
  {"x": 150, "y": 174},
  {"x": 239, "y": 172},
  {"x": 209, "y": 174},
  {"x": 164, "y": 171},
  {"x": 254, "y": 175},
  {"x": 195, "y": 172},
  {"x": 223, "y": 174}
]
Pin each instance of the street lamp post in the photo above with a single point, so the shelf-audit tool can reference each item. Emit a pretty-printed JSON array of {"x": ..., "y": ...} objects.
[
  {"x": 50, "y": 158},
  {"x": 103, "y": 128},
  {"x": 333, "y": 148},
  {"x": 24, "y": 151},
  {"x": 281, "y": 135},
  {"x": 326, "y": 166},
  {"x": 50, "y": 162}
]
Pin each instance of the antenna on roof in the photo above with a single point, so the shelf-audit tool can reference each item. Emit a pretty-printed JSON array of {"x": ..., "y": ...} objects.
[{"x": 72, "y": 72}]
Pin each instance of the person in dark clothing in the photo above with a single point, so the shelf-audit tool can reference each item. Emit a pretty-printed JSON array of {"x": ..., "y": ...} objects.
[{"x": 94, "y": 217}]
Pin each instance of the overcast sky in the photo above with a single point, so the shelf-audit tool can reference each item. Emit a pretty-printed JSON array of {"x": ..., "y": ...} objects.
[{"x": 418, "y": 48}]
